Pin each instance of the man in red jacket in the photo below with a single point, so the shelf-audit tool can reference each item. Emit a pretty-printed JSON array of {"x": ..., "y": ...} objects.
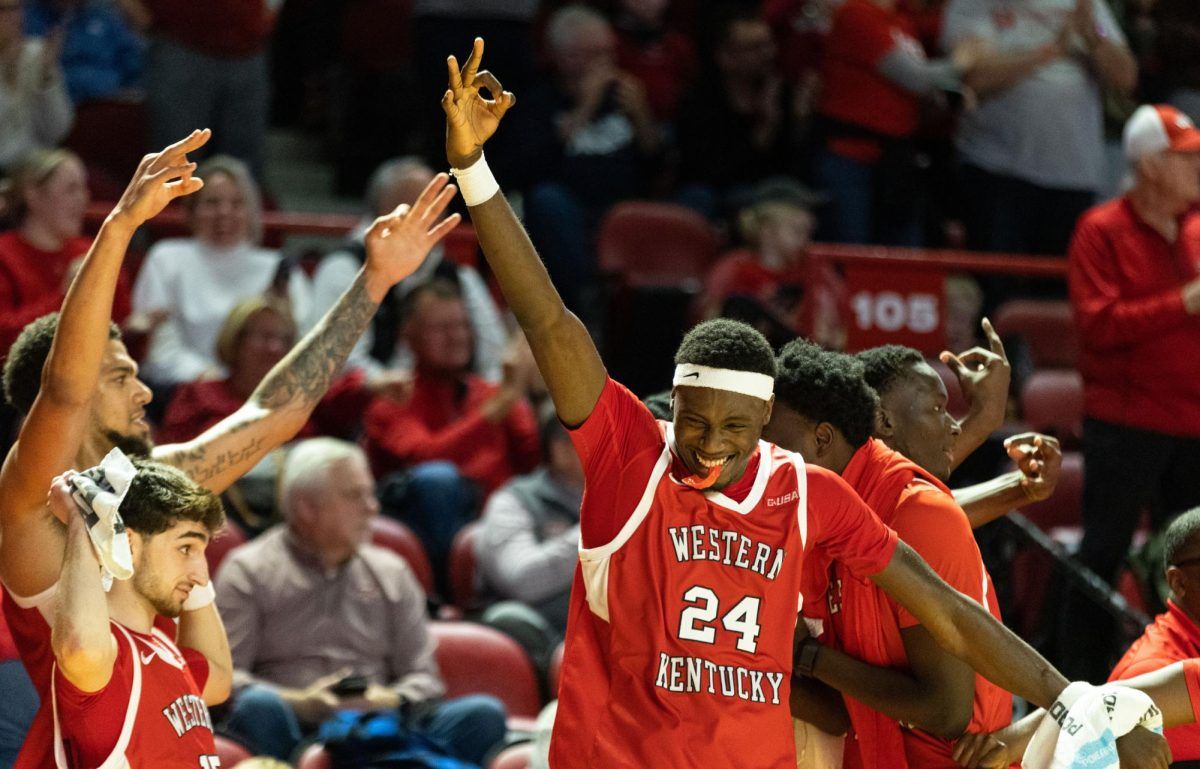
[{"x": 1134, "y": 280}]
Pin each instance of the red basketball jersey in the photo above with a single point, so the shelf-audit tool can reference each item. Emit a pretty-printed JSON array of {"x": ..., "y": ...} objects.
[
  {"x": 151, "y": 714},
  {"x": 679, "y": 641}
]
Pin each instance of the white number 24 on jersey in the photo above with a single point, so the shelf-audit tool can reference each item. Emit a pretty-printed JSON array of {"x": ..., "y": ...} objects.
[{"x": 695, "y": 624}]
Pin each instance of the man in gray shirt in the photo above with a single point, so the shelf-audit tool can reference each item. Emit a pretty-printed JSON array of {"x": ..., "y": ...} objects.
[
  {"x": 1032, "y": 151},
  {"x": 319, "y": 621},
  {"x": 528, "y": 541}
]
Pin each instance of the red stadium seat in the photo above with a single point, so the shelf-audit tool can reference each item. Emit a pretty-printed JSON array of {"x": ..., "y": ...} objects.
[
  {"x": 513, "y": 757},
  {"x": 656, "y": 244},
  {"x": 1064, "y": 508},
  {"x": 230, "y": 752},
  {"x": 395, "y": 536},
  {"x": 315, "y": 757},
  {"x": 464, "y": 586},
  {"x": 555, "y": 673},
  {"x": 227, "y": 540},
  {"x": 1047, "y": 327},
  {"x": 476, "y": 659},
  {"x": 1052, "y": 402}
]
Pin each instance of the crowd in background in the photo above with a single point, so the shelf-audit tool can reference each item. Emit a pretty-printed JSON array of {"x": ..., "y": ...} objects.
[{"x": 926, "y": 123}]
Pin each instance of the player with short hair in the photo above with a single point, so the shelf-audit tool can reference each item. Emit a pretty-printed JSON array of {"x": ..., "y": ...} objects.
[
  {"x": 875, "y": 651},
  {"x": 122, "y": 690},
  {"x": 83, "y": 396},
  {"x": 693, "y": 532}
]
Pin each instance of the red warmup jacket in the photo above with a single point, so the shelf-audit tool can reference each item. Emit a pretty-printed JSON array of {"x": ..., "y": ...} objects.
[{"x": 1139, "y": 348}]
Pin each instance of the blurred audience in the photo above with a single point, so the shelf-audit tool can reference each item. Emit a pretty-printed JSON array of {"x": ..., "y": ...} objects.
[
  {"x": 1134, "y": 281},
  {"x": 46, "y": 198},
  {"x": 101, "y": 50},
  {"x": 1178, "y": 47},
  {"x": 319, "y": 621},
  {"x": 198, "y": 280},
  {"x": 20, "y": 698},
  {"x": 528, "y": 541},
  {"x": 206, "y": 65},
  {"x": 257, "y": 334},
  {"x": 35, "y": 110},
  {"x": 773, "y": 283},
  {"x": 740, "y": 120},
  {"x": 875, "y": 78},
  {"x": 587, "y": 138},
  {"x": 458, "y": 436},
  {"x": 1032, "y": 151},
  {"x": 662, "y": 59},
  {"x": 1174, "y": 635},
  {"x": 395, "y": 182}
]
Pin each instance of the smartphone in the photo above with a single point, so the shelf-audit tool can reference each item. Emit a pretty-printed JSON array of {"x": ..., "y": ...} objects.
[{"x": 350, "y": 686}]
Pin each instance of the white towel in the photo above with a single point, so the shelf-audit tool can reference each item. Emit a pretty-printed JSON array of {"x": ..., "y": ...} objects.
[
  {"x": 1080, "y": 730},
  {"x": 99, "y": 492}
]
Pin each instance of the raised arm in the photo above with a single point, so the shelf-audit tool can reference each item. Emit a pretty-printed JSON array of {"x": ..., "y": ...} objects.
[
  {"x": 966, "y": 630},
  {"x": 53, "y": 430},
  {"x": 396, "y": 245},
  {"x": 80, "y": 637},
  {"x": 984, "y": 377},
  {"x": 565, "y": 353}
]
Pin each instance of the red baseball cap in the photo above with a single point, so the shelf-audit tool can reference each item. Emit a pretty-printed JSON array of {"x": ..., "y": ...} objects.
[{"x": 1155, "y": 128}]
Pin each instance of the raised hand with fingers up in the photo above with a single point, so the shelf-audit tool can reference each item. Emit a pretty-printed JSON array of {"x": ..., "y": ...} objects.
[
  {"x": 398, "y": 243},
  {"x": 471, "y": 118},
  {"x": 160, "y": 178}
]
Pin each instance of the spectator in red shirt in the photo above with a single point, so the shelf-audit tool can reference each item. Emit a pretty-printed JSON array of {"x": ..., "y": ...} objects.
[
  {"x": 875, "y": 75},
  {"x": 773, "y": 284},
  {"x": 662, "y": 59},
  {"x": 1134, "y": 280},
  {"x": 256, "y": 335},
  {"x": 47, "y": 199},
  {"x": 457, "y": 433},
  {"x": 1175, "y": 634}
]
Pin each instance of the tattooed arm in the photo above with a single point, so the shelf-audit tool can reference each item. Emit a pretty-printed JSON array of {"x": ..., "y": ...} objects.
[{"x": 283, "y": 401}]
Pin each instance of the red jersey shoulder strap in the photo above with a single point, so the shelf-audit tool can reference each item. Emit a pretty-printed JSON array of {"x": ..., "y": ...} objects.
[{"x": 116, "y": 759}]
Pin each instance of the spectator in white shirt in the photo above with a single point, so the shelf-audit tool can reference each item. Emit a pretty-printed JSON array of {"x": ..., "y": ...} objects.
[{"x": 198, "y": 280}]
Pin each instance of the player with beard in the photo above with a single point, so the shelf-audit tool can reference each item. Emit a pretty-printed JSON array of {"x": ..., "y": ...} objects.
[
  {"x": 121, "y": 689},
  {"x": 693, "y": 532},
  {"x": 77, "y": 385}
]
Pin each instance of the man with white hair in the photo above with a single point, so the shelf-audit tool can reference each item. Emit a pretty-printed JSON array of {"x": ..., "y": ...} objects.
[
  {"x": 319, "y": 620},
  {"x": 1134, "y": 280},
  {"x": 396, "y": 181}
]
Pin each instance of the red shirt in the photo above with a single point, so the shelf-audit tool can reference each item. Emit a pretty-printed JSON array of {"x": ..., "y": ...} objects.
[
  {"x": 151, "y": 711},
  {"x": 1139, "y": 349},
  {"x": 29, "y": 620},
  {"x": 867, "y": 623},
  {"x": 679, "y": 639},
  {"x": 227, "y": 28},
  {"x": 8, "y": 647},
  {"x": 810, "y": 297},
  {"x": 197, "y": 406},
  {"x": 853, "y": 90},
  {"x": 31, "y": 283},
  {"x": 443, "y": 420},
  {"x": 1172, "y": 637},
  {"x": 665, "y": 65}
]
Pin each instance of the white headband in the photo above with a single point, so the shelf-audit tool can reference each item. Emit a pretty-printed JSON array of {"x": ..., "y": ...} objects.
[{"x": 745, "y": 382}]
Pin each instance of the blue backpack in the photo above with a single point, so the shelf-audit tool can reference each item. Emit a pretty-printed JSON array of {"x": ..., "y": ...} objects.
[{"x": 356, "y": 740}]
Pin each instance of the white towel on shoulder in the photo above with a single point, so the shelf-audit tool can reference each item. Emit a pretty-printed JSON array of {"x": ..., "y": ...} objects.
[{"x": 1080, "y": 730}]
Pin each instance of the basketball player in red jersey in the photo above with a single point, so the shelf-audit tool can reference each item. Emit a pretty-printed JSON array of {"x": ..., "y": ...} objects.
[
  {"x": 73, "y": 379},
  {"x": 122, "y": 692},
  {"x": 874, "y": 651},
  {"x": 693, "y": 532}
]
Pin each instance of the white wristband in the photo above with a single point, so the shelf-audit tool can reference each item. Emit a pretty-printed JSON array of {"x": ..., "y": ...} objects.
[
  {"x": 476, "y": 183},
  {"x": 200, "y": 596}
]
